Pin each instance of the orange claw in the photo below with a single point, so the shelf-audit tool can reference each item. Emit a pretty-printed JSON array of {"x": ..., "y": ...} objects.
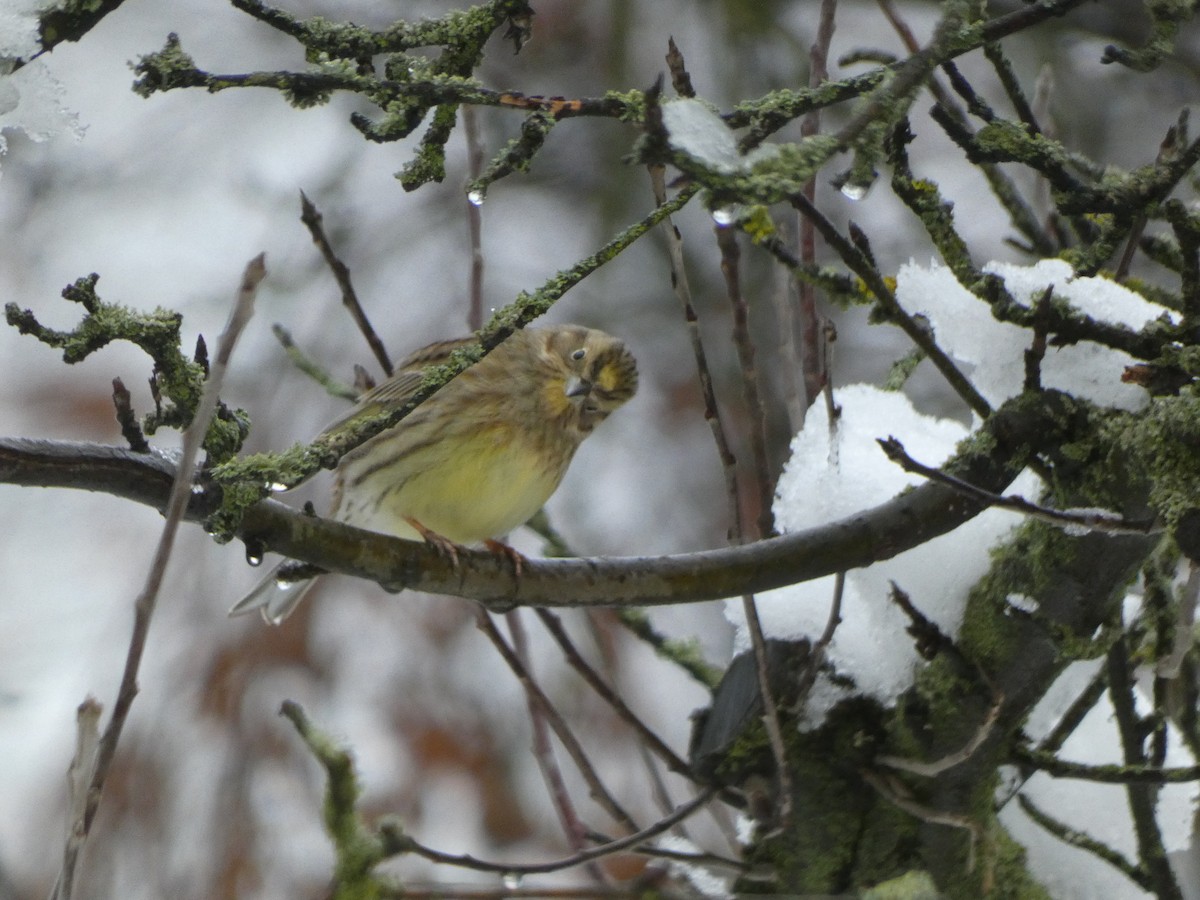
[
  {"x": 442, "y": 545},
  {"x": 502, "y": 548}
]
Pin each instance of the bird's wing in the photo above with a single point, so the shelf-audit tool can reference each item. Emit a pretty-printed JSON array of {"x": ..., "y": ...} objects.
[{"x": 402, "y": 384}]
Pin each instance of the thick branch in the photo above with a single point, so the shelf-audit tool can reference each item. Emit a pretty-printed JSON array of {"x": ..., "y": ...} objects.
[{"x": 1007, "y": 442}]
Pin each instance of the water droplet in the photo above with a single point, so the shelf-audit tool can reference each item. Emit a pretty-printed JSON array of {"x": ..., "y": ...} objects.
[
  {"x": 726, "y": 215},
  {"x": 476, "y": 196},
  {"x": 511, "y": 881},
  {"x": 853, "y": 191},
  {"x": 254, "y": 552}
]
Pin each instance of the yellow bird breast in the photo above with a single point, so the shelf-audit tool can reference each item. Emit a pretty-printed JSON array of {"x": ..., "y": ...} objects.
[{"x": 482, "y": 484}]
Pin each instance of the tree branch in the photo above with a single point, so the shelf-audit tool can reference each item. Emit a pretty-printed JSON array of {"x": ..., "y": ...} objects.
[{"x": 1004, "y": 446}]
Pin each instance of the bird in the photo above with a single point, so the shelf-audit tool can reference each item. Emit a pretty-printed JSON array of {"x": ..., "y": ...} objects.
[{"x": 480, "y": 456}]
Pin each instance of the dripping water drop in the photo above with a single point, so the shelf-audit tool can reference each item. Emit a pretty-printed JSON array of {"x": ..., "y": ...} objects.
[{"x": 853, "y": 191}]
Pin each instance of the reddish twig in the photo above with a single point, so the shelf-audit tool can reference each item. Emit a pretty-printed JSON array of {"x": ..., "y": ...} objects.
[{"x": 311, "y": 217}]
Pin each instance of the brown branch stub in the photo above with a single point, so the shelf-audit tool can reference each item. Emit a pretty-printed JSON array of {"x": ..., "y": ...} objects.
[{"x": 127, "y": 419}]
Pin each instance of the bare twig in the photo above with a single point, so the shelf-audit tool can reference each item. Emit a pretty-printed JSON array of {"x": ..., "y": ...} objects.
[
  {"x": 1082, "y": 519},
  {"x": 1086, "y": 842},
  {"x": 817, "y": 654},
  {"x": 950, "y": 760},
  {"x": 398, "y": 842},
  {"x": 313, "y": 370},
  {"x": 130, "y": 428},
  {"x": 475, "y": 161},
  {"x": 612, "y": 698},
  {"x": 894, "y": 794},
  {"x": 311, "y": 217},
  {"x": 727, "y": 241},
  {"x": 544, "y": 754},
  {"x": 1143, "y": 798},
  {"x": 1185, "y": 623},
  {"x": 712, "y": 413},
  {"x": 79, "y": 776},
  {"x": 862, "y": 266},
  {"x": 737, "y": 530},
  {"x": 556, "y": 722},
  {"x": 147, "y": 600},
  {"x": 815, "y": 370}
]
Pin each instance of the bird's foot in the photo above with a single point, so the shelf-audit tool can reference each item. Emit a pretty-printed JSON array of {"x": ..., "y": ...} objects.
[
  {"x": 503, "y": 549},
  {"x": 443, "y": 545}
]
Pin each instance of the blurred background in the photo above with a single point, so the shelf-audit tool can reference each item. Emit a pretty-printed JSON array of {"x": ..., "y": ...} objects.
[{"x": 168, "y": 198}]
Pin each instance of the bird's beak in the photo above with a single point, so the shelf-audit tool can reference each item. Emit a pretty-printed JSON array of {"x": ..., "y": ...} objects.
[{"x": 578, "y": 387}]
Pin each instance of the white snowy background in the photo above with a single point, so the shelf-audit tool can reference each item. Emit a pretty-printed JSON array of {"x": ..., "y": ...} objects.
[{"x": 167, "y": 199}]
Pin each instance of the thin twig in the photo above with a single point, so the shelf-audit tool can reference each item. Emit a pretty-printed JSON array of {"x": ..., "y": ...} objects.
[
  {"x": 1106, "y": 774},
  {"x": 817, "y": 654},
  {"x": 925, "y": 813},
  {"x": 556, "y": 722},
  {"x": 1023, "y": 217},
  {"x": 696, "y": 858},
  {"x": 1069, "y": 835},
  {"x": 130, "y": 429},
  {"x": 147, "y": 600},
  {"x": 398, "y": 842},
  {"x": 1083, "y": 519},
  {"x": 1052, "y": 742},
  {"x": 475, "y": 161},
  {"x": 79, "y": 776},
  {"x": 814, "y": 369},
  {"x": 1143, "y": 798},
  {"x": 312, "y": 369},
  {"x": 712, "y": 413},
  {"x": 949, "y": 761},
  {"x": 560, "y": 797},
  {"x": 311, "y": 217},
  {"x": 862, "y": 266},
  {"x": 727, "y": 241},
  {"x": 737, "y": 530},
  {"x": 608, "y": 695},
  {"x": 1185, "y": 623}
]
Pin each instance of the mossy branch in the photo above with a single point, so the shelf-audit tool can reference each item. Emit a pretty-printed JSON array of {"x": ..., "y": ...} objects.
[
  {"x": 157, "y": 333},
  {"x": 357, "y": 849}
]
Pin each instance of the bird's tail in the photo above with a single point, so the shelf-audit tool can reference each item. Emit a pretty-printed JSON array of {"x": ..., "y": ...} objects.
[{"x": 276, "y": 596}]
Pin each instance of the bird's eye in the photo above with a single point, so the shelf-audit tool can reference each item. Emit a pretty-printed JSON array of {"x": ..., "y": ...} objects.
[{"x": 579, "y": 354}]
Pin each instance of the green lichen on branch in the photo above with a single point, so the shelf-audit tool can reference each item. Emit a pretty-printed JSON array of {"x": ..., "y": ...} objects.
[
  {"x": 1120, "y": 193},
  {"x": 1166, "y": 17},
  {"x": 936, "y": 214},
  {"x": 1162, "y": 442},
  {"x": 70, "y": 20},
  {"x": 687, "y": 654},
  {"x": 516, "y": 156},
  {"x": 341, "y": 55},
  {"x": 175, "y": 377},
  {"x": 461, "y": 31},
  {"x": 357, "y": 848}
]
